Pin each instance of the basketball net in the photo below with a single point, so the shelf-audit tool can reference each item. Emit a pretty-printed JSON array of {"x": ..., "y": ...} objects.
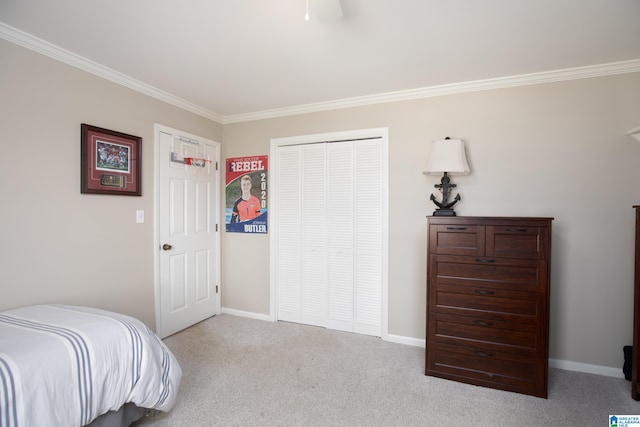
[{"x": 198, "y": 165}]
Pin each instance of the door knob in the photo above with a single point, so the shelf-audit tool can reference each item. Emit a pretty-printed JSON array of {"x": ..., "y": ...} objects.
[{"x": 166, "y": 247}]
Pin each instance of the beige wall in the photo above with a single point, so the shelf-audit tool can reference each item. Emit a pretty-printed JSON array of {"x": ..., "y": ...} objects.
[
  {"x": 557, "y": 150},
  {"x": 59, "y": 245}
]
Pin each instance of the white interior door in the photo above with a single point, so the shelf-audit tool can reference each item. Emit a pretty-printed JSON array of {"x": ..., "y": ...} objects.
[{"x": 188, "y": 236}]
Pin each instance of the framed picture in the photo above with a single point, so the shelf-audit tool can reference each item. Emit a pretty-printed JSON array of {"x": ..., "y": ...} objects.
[{"x": 110, "y": 162}]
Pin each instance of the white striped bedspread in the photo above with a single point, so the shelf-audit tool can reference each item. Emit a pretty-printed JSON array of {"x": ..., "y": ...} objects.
[{"x": 66, "y": 365}]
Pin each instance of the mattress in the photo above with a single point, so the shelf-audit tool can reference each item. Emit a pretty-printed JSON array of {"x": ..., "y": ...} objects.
[{"x": 66, "y": 365}]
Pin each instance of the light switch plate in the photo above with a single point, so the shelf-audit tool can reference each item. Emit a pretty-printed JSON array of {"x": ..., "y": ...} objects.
[{"x": 139, "y": 216}]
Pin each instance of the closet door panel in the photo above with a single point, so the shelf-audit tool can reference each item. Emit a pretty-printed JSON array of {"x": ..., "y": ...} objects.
[
  {"x": 289, "y": 236},
  {"x": 340, "y": 232},
  {"x": 314, "y": 234},
  {"x": 368, "y": 217}
]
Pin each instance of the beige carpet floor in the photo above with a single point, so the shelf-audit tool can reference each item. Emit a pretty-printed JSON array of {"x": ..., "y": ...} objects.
[{"x": 245, "y": 372}]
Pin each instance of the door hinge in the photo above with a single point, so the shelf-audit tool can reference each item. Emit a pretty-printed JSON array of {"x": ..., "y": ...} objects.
[
  {"x": 216, "y": 165},
  {"x": 216, "y": 289},
  {"x": 216, "y": 227}
]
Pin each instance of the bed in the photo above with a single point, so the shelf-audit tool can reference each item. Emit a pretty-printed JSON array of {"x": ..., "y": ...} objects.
[{"x": 69, "y": 366}]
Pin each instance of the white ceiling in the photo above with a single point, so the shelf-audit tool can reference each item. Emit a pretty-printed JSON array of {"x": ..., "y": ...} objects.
[{"x": 237, "y": 57}]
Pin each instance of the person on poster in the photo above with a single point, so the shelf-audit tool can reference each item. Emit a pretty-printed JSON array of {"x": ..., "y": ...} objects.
[{"x": 247, "y": 206}]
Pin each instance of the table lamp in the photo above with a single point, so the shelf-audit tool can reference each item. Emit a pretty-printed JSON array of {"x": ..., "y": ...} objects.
[{"x": 447, "y": 158}]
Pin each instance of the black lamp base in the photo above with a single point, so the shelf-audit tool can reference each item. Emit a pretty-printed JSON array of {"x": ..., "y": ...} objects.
[
  {"x": 444, "y": 212},
  {"x": 445, "y": 207}
]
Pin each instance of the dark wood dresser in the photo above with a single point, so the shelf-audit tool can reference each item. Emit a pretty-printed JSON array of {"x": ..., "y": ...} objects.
[
  {"x": 635, "y": 364},
  {"x": 488, "y": 301}
]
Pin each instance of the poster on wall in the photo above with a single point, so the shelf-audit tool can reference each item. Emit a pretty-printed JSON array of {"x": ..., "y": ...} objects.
[{"x": 246, "y": 194}]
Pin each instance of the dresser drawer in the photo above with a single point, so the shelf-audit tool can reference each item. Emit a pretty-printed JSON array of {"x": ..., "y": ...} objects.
[
  {"x": 454, "y": 299},
  {"x": 457, "y": 239},
  {"x": 517, "y": 241},
  {"x": 525, "y": 275},
  {"x": 496, "y": 333},
  {"x": 476, "y": 365}
]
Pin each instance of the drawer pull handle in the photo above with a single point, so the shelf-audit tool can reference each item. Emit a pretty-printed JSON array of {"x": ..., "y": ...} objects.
[
  {"x": 484, "y": 292},
  {"x": 485, "y": 260},
  {"x": 483, "y": 354},
  {"x": 483, "y": 323},
  {"x": 456, "y": 228},
  {"x": 516, "y": 230}
]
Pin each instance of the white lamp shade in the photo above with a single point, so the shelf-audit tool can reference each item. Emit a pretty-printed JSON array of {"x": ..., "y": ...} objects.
[{"x": 447, "y": 155}]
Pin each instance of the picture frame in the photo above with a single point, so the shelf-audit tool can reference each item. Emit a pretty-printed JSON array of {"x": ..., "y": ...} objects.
[{"x": 110, "y": 162}]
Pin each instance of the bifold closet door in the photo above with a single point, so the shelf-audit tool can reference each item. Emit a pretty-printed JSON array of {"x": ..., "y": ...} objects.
[{"x": 329, "y": 244}]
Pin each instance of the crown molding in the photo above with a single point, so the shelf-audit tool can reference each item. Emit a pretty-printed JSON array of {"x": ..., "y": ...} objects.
[
  {"x": 36, "y": 44},
  {"x": 576, "y": 73},
  {"x": 43, "y": 47}
]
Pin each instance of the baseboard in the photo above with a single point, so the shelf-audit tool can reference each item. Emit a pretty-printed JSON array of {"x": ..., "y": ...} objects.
[
  {"x": 568, "y": 365},
  {"x": 249, "y": 314},
  {"x": 399, "y": 339}
]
